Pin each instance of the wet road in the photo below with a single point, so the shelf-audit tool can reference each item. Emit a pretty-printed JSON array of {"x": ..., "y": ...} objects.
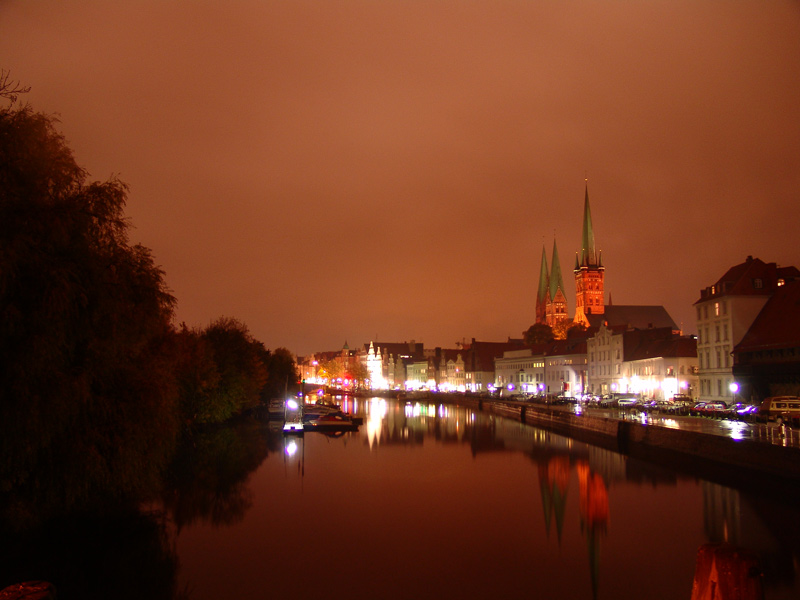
[{"x": 780, "y": 435}]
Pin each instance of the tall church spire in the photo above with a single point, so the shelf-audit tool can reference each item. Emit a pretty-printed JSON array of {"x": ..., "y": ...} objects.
[
  {"x": 544, "y": 284},
  {"x": 589, "y": 257},
  {"x": 556, "y": 298},
  {"x": 556, "y": 281}
]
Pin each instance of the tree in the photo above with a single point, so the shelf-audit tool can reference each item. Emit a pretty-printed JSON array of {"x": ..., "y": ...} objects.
[
  {"x": 10, "y": 90},
  {"x": 242, "y": 372},
  {"x": 330, "y": 370},
  {"x": 538, "y": 333},
  {"x": 359, "y": 373},
  {"x": 282, "y": 374},
  {"x": 86, "y": 388}
]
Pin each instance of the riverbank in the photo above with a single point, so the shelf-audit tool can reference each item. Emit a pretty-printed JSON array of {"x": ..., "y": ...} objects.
[{"x": 720, "y": 458}]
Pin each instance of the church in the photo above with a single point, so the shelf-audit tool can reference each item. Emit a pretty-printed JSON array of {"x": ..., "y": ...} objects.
[{"x": 590, "y": 308}]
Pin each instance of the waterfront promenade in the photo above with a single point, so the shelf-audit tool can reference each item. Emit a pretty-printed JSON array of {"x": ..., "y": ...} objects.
[{"x": 728, "y": 451}]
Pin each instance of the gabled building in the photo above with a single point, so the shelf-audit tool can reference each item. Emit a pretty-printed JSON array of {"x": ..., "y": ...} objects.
[
  {"x": 725, "y": 312},
  {"x": 387, "y": 362},
  {"x": 766, "y": 362}
]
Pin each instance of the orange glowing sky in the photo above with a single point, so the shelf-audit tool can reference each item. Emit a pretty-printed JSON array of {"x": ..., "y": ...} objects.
[{"x": 340, "y": 170}]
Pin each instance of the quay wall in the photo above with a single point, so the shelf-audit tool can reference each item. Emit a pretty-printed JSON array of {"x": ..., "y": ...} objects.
[{"x": 726, "y": 458}]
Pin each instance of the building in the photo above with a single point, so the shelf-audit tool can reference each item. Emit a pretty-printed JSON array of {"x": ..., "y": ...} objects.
[
  {"x": 659, "y": 369},
  {"x": 520, "y": 372},
  {"x": 725, "y": 312},
  {"x": 656, "y": 363},
  {"x": 387, "y": 362},
  {"x": 479, "y": 361},
  {"x": 565, "y": 366},
  {"x": 766, "y": 362}
]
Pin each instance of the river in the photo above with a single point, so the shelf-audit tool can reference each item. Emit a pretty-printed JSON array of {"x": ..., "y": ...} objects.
[{"x": 435, "y": 501}]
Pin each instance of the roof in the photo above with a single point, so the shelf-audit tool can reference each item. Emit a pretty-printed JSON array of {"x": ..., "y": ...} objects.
[
  {"x": 480, "y": 355},
  {"x": 398, "y": 349},
  {"x": 778, "y": 323},
  {"x": 633, "y": 317},
  {"x": 676, "y": 347},
  {"x": 753, "y": 277}
]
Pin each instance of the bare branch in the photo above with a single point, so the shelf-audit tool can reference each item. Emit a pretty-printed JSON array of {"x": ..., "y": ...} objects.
[{"x": 11, "y": 89}]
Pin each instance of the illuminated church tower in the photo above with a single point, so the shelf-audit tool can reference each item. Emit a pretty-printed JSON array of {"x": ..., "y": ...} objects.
[
  {"x": 589, "y": 272},
  {"x": 551, "y": 301}
]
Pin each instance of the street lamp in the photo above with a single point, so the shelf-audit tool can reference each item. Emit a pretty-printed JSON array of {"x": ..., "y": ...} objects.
[{"x": 734, "y": 388}]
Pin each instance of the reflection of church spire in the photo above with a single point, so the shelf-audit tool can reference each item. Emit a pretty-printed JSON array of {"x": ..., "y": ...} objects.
[
  {"x": 594, "y": 516},
  {"x": 553, "y": 484}
]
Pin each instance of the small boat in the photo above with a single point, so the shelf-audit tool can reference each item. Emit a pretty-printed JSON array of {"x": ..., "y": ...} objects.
[
  {"x": 275, "y": 408},
  {"x": 329, "y": 421}
]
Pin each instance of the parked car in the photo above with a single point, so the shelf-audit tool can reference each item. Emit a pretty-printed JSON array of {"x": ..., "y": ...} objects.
[
  {"x": 781, "y": 409},
  {"x": 747, "y": 412},
  {"x": 627, "y": 402},
  {"x": 714, "y": 409},
  {"x": 697, "y": 409}
]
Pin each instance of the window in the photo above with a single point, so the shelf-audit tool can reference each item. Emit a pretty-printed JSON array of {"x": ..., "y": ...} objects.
[
  {"x": 758, "y": 284},
  {"x": 717, "y": 333},
  {"x": 698, "y": 313},
  {"x": 724, "y": 308},
  {"x": 716, "y": 309}
]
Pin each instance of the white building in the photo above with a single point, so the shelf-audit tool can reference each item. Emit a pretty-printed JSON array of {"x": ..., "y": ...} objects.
[{"x": 725, "y": 312}]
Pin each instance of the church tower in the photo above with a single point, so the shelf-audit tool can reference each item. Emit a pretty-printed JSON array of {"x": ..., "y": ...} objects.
[
  {"x": 589, "y": 272},
  {"x": 556, "y": 305},
  {"x": 541, "y": 295}
]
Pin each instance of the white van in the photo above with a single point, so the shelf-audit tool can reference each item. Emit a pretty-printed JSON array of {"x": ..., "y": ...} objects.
[{"x": 781, "y": 409}]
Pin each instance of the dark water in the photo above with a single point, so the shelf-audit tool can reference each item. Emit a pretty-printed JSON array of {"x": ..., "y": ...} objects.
[{"x": 426, "y": 501}]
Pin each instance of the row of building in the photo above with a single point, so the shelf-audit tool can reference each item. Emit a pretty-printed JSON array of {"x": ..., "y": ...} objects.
[{"x": 747, "y": 347}]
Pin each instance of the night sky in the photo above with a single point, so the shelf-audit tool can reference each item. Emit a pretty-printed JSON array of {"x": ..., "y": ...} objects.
[{"x": 331, "y": 171}]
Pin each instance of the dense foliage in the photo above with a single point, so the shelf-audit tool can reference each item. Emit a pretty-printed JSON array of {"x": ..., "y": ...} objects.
[{"x": 96, "y": 383}]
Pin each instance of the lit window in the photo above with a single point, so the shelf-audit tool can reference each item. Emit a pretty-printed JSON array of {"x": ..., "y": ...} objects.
[
  {"x": 716, "y": 309},
  {"x": 780, "y": 282}
]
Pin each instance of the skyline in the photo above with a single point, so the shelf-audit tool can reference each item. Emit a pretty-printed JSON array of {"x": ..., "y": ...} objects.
[{"x": 333, "y": 172}]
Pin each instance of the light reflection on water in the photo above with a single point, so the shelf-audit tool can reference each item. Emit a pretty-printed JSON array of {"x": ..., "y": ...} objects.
[{"x": 429, "y": 500}]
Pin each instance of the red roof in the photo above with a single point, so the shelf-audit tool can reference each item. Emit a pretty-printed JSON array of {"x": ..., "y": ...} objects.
[
  {"x": 778, "y": 323},
  {"x": 753, "y": 277}
]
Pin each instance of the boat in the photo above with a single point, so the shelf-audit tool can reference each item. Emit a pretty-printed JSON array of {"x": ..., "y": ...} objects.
[
  {"x": 275, "y": 408},
  {"x": 329, "y": 421}
]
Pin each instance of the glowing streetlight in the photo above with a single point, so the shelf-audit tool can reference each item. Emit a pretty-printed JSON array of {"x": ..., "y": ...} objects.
[{"x": 734, "y": 388}]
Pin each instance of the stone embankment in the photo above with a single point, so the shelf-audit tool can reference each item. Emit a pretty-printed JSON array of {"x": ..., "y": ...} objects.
[{"x": 720, "y": 457}]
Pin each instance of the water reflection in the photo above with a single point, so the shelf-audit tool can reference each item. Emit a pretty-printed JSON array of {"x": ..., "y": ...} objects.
[{"x": 425, "y": 500}]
